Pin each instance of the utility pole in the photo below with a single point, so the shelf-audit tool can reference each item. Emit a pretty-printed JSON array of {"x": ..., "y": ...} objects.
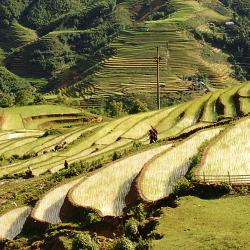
[{"x": 158, "y": 59}]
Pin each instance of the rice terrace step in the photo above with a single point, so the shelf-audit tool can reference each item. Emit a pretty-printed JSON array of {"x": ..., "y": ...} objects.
[{"x": 124, "y": 124}]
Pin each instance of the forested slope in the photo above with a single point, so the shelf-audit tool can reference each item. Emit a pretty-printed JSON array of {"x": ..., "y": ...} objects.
[{"x": 96, "y": 49}]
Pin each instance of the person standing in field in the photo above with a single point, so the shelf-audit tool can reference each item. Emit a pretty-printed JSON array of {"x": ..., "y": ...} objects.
[
  {"x": 66, "y": 164},
  {"x": 153, "y": 135}
]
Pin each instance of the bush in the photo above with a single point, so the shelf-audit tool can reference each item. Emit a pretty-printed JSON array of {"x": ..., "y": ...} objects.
[
  {"x": 208, "y": 191},
  {"x": 83, "y": 241},
  {"x": 142, "y": 245},
  {"x": 138, "y": 107},
  {"x": 116, "y": 155},
  {"x": 131, "y": 229},
  {"x": 148, "y": 227},
  {"x": 6, "y": 100},
  {"x": 123, "y": 244},
  {"x": 183, "y": 187},
  {"x": 116, "y": 109},
  {"x": 14, "y": 90},
  {"x": 29, "y": 155},
  {"x": 138, "y": 212}
]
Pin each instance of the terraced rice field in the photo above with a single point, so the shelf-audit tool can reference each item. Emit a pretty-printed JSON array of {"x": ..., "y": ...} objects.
[
  {"x": 150, "y": 174},
  {"x": 225, "y": 104},
  {"x": 19, "y": 118},
  {"x": 16, "y": 35},
  {"x": 132, "y": 70},
  {"x": 47, "y": 210},
  {"x": 110, "y": 136},
  {"x": 229, "y": 154},
  {"x": 244, "y": 91},
  {"x": 157, "y": 179},
  {"x": 11, "y": 223},
  {"x": 112, "y": 182}
]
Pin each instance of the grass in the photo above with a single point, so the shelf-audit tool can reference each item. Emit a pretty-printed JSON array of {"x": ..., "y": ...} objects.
[
  {"x": 196, "y": 224},
  {"x": 13, "y": 118}
]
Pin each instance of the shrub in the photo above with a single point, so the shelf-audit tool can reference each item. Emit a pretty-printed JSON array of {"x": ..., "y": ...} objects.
[
  {"x": 116, "y": 155},
  {"x": 242, "y": 190},
  {"x": 83, "y": 241},
  {"x": 123, "y": 244},
  {"x": 183, "y": 187},
  {"x": 148, "y": 227},
  {"x": 142, "y": 245},
  {"x": 116, "y": 109},
  {"x": 6, "y": 100},
  {"x": 208, "y": 191},
  {"x": 14, "y": 90},
  {"x": 138, "y": 212},
  {"x": 138, "y": 107},
  {"x": 29, "y": 155},
  {"x": 131, "y": 229}
]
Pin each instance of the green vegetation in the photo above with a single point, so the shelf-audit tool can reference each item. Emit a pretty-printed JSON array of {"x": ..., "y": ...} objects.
[
  {"x": 234, "y": 37},
  {"x": 59, "y": 56},
  {"x": 88, "y": 149},
  {"x": 14, "y": 90},
  {"x": 93, "y": 50},
  {"x": 116, "y": 135},
  {"x": 204, "y": 224},
  {"x": 84, "y": 241},
  {"x": 31, "y": 117}
]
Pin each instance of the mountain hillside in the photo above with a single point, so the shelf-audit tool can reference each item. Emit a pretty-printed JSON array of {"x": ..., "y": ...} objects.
[
  {"x": 96, "y": 49},
  {"x": 94, "y": 175}
]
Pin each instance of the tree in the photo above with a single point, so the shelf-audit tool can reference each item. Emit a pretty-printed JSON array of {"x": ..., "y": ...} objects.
[
  {"x": 122, "y": 15},
  {"x": 138, "y": 107},
  {"x": 24, "y": 97},
  {"x": 116, "y": 109},
  {"x": 6, "y": 100}
]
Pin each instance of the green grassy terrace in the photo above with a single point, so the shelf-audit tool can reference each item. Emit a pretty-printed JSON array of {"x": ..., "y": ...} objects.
[{"x": 206, "y": 224}]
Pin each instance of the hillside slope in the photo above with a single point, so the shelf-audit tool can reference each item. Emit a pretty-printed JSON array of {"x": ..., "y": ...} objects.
[
  {"x": 146, "y": 173},
  {"x": 94, "y": 51}
]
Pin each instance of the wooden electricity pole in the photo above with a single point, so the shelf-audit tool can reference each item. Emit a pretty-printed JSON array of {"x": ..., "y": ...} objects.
[{"x": 158, "y": 60}]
